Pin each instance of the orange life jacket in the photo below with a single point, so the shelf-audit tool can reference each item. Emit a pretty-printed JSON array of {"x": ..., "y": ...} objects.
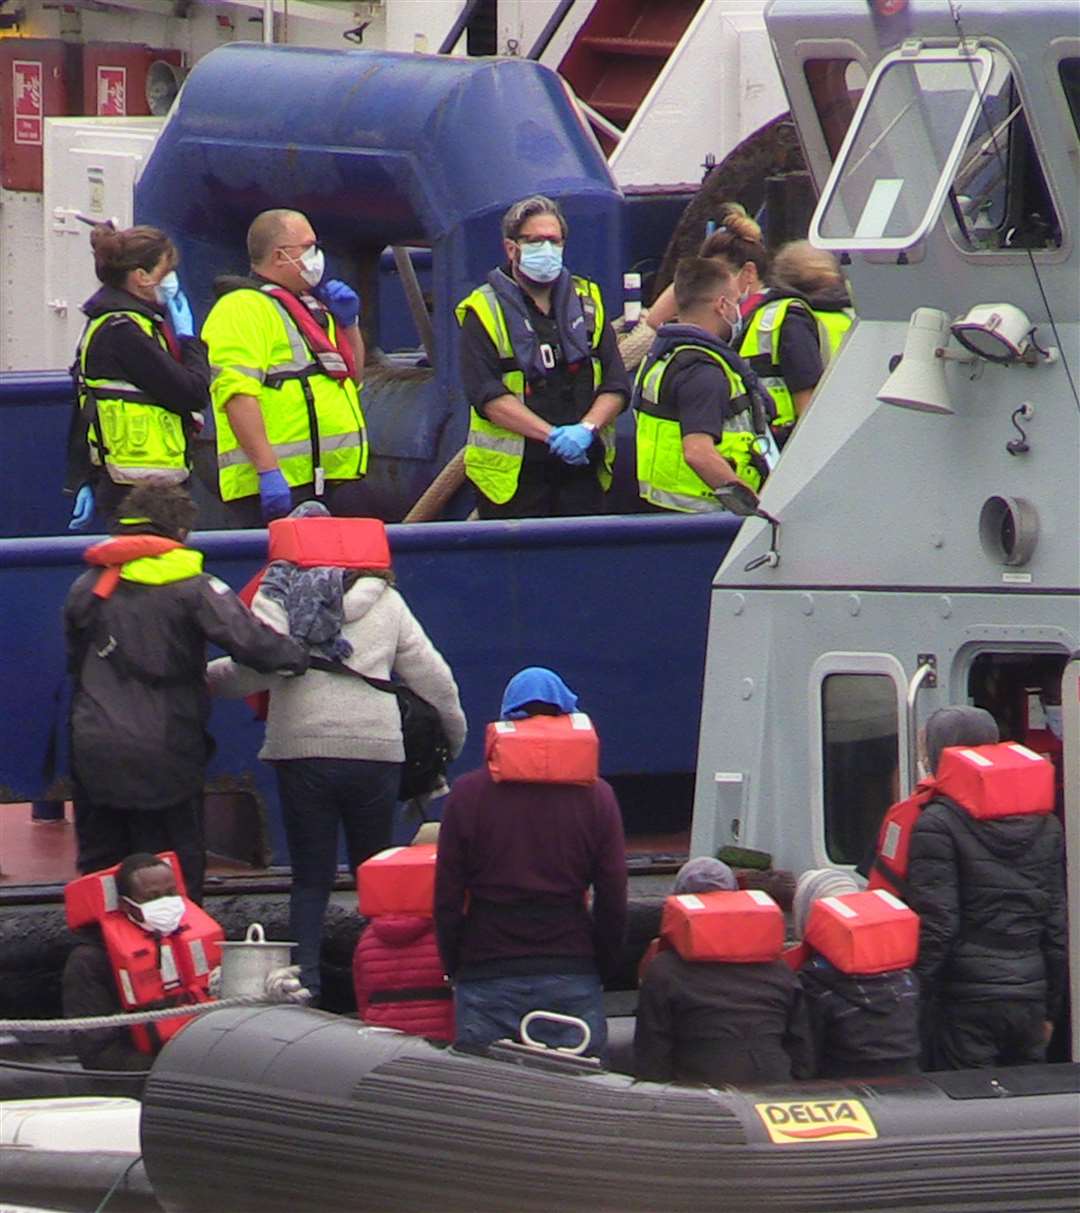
[
  {"x": 998, "y": 780},
  {"x": 149, "y": 970},
  {"x": 990, "y": 781},
  {"x": 312, "y": 543},
  {"x": 399, "y": 880},
  {"x": 865, "y": 933},
  {"x": 743, "y": 927},
  {"x": 890, "y": 866},
  {"x": 543, "y": 749}
]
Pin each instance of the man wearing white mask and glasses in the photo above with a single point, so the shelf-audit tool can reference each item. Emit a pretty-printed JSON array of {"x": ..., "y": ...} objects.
[
  {"x": 287, "y": 358},
  {"x": 543, "y": 377}
]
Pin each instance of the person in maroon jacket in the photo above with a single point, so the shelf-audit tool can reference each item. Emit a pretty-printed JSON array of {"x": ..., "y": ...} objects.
[
  {"x": 398, "y": 974},
  {"x": 515, "y": 863}
]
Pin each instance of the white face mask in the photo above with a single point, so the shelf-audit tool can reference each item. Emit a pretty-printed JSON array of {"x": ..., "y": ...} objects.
[
  {"x": 168, "y": 288},
  {"x": 1052, "y": 712},
  {"x": 312, "y": 264},
  {"x": 162, "y": 915},
  {"x": 735, "y": 324}
]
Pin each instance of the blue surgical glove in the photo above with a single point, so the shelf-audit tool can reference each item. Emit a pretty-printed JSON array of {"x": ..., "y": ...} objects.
[
  {"x": 340, "y": 299},
  {"x": 571, "y": 443},
  {"x": 180, "y": 314},
  {"x": 83, "y": 509},
  {"x": 274, "y": 495}
]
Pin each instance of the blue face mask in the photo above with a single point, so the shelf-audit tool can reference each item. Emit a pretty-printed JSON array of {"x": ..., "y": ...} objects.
[{"x": 541, "y": 262}]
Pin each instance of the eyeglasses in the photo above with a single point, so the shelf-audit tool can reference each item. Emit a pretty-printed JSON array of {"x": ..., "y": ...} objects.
[
  {"x": 309, "y": 245},
  {"x": 555, "y": 241}
]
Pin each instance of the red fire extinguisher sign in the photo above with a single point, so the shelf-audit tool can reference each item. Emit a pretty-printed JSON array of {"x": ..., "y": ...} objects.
[
  {"x": 27, "y": 109},
  {"x": 112, "y": 92}
]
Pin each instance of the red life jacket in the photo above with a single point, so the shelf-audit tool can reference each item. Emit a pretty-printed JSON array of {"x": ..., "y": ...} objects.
[
  {"x": 987, "y": 781},
  {"x": 112, "y": 554},
  {"x": 399, "y": 979},
  {"x": 743, "y": 927},
  {"x": 990, "y": 781},
  {"x": 312, "y": 543},
  {"x": 864, "y": 933},
  {"x": 890, "y": 866},
  {"x": 543, "y": 749},
  {"x": 149, "y": 970},
  {"x": 335, "y": 359},
  {"x": 399, "y": 880}
]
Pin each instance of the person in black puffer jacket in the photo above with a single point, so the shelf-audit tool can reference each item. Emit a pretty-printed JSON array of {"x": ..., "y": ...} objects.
[
  {"x": 862, "y": 1025},
  {"x": 992, "y": 943}
]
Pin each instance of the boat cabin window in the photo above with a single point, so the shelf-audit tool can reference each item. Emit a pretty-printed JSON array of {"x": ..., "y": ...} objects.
[
  {"x": 1020, "y": 690},
  {"x": 836, "y": 87},
  {"x": 860, "y": 737},
  {"x": 1070, "y": 82},
  {"x": 936, "y": 126},
  {"x": 999, "y": 196}
]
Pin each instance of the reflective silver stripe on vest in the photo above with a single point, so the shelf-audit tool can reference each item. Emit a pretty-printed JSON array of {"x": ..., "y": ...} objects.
[
  {"x": 125, "y": 474},
  {"x": 489, "y": 442},
  {"x": 289, "y": 450},
  {"x": 249, "y": 372},
  {"x": 679, "y": 501},
  {"x": 197, "y": 952},
  {"x": 118, "y": 389}
]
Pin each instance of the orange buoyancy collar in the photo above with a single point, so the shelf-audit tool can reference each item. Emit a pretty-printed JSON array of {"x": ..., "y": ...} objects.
[
  {"x": 114, "y": 553},
  {"x": 326, "y": 352}
]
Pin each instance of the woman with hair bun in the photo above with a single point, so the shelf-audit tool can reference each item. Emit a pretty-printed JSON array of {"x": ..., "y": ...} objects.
[
  {"x": 737, "y": 240},
  {"x": 796, "y": 328},
  {"x": 141, "y": 375}
]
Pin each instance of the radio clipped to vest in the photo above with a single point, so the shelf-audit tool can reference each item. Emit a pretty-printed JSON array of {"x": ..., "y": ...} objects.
[
  {"x": 864, "y": 933},
  {"x": 744, "y": 927},
  {"x": 543, "y": 749},
  {"x": 399, "y": 880}
]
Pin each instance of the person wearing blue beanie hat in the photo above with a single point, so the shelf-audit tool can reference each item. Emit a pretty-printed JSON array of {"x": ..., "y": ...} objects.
[
  {"x": 530, "y": 882},
  {"x": 533, "y": 689}
]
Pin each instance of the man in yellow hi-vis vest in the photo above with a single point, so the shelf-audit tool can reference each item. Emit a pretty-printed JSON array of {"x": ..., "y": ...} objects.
[
  {"x": 699, "y": 427},
  {"x": 287, "y": 359},
  {"x": 542, "y": 375}
]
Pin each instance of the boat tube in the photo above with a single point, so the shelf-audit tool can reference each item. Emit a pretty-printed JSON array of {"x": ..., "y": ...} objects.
[{"x": 274, "y": 1103}]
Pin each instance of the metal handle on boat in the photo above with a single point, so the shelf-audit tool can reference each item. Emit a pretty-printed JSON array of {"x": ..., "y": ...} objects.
[
  {"x": 555, "y": 1017},
  {"x": 927, "y": 671}
]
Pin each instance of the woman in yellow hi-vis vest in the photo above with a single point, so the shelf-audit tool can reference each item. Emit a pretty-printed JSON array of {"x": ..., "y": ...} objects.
[
  {"x": 796, "y": 328},
  {"x": 542, "y": 375},
  {"x": 141, "y": 374}
]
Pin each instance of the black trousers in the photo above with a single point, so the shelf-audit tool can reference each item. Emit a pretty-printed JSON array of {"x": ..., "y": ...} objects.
[
  {"x": 245, "y": 513},
  {"x": 978, "y": 1035},
  {"x": 107, "y": 835},
  {"x": 549, "y": 488}
]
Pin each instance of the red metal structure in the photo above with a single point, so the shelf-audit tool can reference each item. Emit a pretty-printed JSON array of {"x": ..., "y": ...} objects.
[{"x": 619, "y": 52}]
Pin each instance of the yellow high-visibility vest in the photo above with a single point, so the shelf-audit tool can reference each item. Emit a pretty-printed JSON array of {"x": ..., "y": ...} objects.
[
  {"x": 314, "y": 423},
  {"x": 760, "y": 346},
  {"x": 493, "y": 455},
  {"x": 129, "y": 433},
  {"x": 664, "y": 477}
]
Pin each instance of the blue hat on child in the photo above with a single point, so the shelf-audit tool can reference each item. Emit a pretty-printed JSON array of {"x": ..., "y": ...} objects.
[{"x": 535, "y": 684}]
